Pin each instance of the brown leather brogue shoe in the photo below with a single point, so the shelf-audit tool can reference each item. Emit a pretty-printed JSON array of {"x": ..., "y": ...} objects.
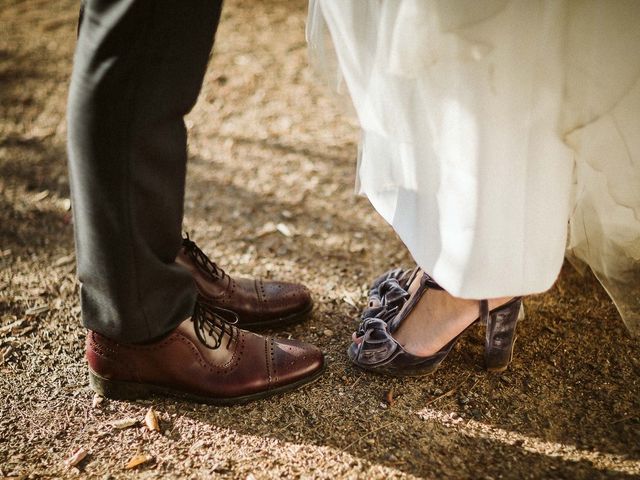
[
  {"x": 259, "y": 304},
  {"x": 205, "y": 359}
]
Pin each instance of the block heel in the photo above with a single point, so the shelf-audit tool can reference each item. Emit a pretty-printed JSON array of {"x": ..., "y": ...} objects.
[{"x": 501, "y": 334}]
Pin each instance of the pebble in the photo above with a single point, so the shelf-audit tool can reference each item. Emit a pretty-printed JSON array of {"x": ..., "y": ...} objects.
[
  {"x": 97, "y": 400},
  {"x": 328, "y": 333}
]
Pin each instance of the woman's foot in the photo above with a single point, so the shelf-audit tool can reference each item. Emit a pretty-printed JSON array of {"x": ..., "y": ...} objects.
[
  {"x": 436, "y": 319},
  {"x": 417, "y": 339},
  {"x": 414, "y": 337}
]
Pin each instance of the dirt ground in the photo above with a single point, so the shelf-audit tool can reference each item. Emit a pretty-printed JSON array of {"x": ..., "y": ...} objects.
[{"x": 270, "y": 146}]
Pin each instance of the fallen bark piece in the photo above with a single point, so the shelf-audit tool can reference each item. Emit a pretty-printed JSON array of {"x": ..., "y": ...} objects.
[
  {"x": 388, "y": 397},
  {"x": 17, "y": 332},
  {"x": 151, "y": 420},
  {"x": 4, "y": 354},
  {"x": 11, "y": 326},
  {"x": 76, "y": 458},
  {"x": 124, "y": 423},
  {"x": 138, "y": 460},
  {"x": 37, "y": 310}
]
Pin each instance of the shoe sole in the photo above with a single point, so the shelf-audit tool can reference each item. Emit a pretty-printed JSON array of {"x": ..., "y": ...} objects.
[
  {"x": 120, "y": 390},
  {"x": 424, "y": 373},
  {"x": 278, "y": 323},
  {"x": 395, "y": 373}
]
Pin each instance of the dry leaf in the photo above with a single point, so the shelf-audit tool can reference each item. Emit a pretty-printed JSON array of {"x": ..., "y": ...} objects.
[
  {"x": 388, "y": 397},
  {"x": 124, "y": 423},
  {"x": 151, "y": 420},
  {"x": 76, "y": 458},
  {"x": 349, "y": 300},
  {"x": 138, "y": 460}
]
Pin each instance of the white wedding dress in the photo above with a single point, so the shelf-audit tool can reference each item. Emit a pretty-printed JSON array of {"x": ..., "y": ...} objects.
[{"x": 489, "y": 126}]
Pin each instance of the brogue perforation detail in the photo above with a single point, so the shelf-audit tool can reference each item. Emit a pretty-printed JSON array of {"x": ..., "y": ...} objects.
[
  {"x": 258, "y": 285},
  {"x": 268, "y": 359}
]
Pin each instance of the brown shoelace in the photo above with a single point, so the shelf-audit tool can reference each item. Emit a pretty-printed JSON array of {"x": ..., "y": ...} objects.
[
  {"x": 201, "y": 259},
  {"x": 216, "y": 321}
]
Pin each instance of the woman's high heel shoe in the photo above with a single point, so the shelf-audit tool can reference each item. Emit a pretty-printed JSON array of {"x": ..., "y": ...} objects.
[{"x": 375, "y": 349}]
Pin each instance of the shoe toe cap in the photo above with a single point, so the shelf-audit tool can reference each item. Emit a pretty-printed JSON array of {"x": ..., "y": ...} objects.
[
  {"x": 294, "y": 360},
  {"x": 285, "y": 298}
]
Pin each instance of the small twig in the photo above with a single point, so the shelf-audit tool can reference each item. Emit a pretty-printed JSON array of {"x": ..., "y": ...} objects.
[
  {"x": 447, "y": 393},
  {"x": 367, "y": 434},
  {"x": 557, "y": 347},
  {"x": 357, "y": 380},
  {"x": 474, "y": 385},
  {"x": 285, "y": 427},
  {"x": 624, "y": 419}
]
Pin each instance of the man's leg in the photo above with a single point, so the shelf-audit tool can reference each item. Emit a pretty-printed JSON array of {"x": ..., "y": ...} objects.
[{"x": 138, "y": 69}]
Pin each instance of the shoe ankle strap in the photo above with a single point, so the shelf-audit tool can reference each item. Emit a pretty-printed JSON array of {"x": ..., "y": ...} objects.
[{"x": 430, "y": 282}]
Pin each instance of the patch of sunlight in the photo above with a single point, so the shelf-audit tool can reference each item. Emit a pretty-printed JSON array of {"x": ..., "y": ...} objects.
[
  {"x": 570, "y": 453},
  {"x": 333, "y": 462}
]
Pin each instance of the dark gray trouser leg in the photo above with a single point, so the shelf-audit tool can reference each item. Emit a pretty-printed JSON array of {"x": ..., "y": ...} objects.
[{"x": 138, "y": 69}]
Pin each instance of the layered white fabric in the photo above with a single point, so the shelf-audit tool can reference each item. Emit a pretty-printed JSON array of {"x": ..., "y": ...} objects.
[{"x": 488, "y": 125}]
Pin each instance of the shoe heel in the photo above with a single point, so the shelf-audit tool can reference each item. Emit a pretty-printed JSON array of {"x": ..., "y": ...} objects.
[
  {"x": 501, "y": 335},
  {"x": 117, "y": 390}
]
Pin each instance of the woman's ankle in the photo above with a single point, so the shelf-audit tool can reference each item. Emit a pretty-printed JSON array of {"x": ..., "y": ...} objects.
[{"x": 436, "y": 319}]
